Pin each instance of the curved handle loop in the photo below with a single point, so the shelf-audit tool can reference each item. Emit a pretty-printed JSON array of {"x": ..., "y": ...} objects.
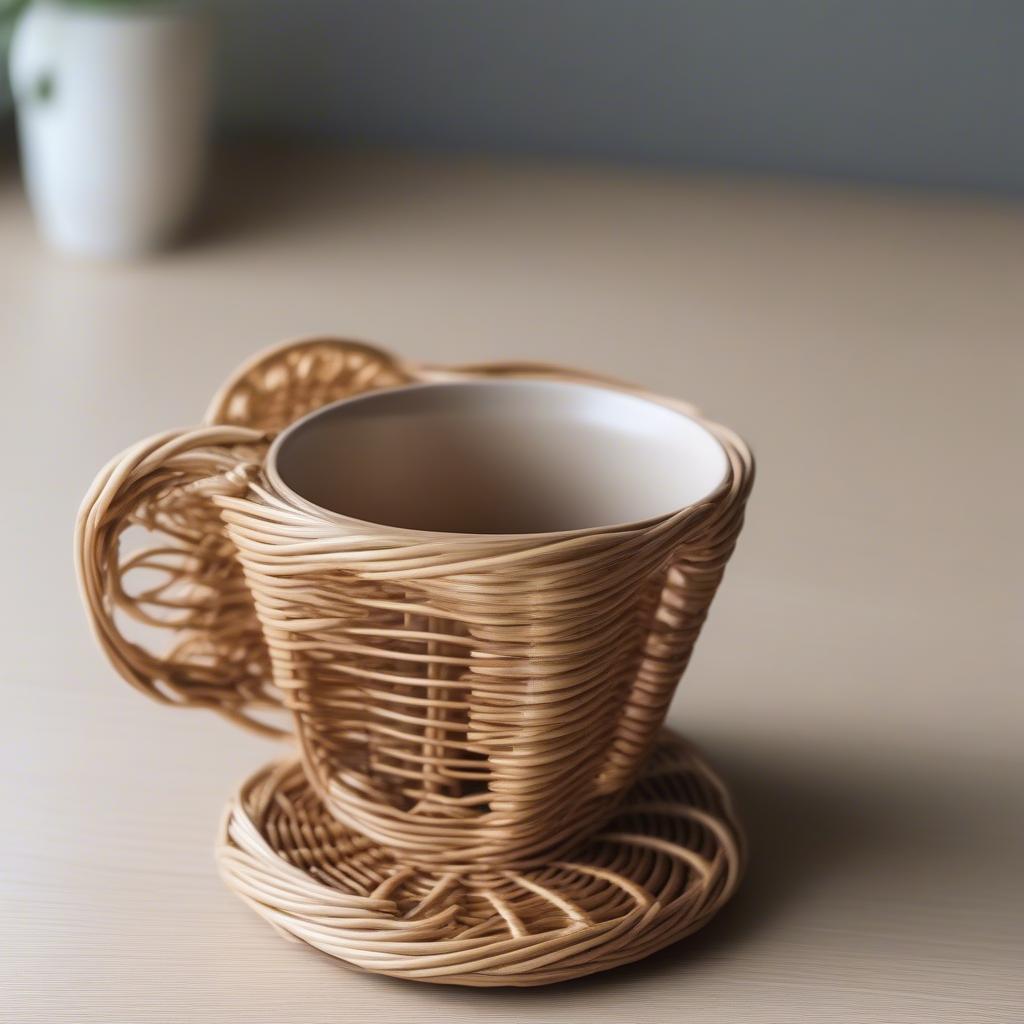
[{"x": 193, "y": 584}]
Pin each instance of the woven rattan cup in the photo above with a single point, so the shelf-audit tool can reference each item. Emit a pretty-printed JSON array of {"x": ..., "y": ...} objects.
[{"x": 460, "y": 698}]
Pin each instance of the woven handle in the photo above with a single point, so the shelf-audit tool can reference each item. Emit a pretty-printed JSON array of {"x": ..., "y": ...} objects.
[{"x": 190, "y": 582}]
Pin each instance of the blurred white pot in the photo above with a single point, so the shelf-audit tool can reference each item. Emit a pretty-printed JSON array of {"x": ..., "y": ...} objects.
[{"x": 112, "y": 104}]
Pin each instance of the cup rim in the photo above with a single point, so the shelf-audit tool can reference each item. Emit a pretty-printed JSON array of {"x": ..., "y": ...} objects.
[{"x": 710, "y": 429}]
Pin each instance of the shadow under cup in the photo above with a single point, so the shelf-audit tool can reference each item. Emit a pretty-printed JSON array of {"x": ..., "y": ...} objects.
[{"x": 478, "y": 598}]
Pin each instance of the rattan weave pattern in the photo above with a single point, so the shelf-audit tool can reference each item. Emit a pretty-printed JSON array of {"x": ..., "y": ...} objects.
[
  {"x": 464, "y": 704},
  {"x": 668, "y": 859},
  {"x": 476, "y": 699},
  {"x": 464, "y": 699}
]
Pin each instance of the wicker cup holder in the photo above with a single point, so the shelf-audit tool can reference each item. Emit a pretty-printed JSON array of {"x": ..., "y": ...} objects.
[{"x": 483, "y": 792}]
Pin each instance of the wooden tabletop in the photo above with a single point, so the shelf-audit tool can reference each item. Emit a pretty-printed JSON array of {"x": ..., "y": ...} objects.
[{"x": 858, "y": 682}]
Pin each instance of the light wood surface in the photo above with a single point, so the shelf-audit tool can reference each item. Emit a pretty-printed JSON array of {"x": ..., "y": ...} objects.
[{"x": 858, "y": 682}]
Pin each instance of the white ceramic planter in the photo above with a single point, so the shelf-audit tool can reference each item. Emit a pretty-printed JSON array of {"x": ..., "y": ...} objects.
[{"x": 112, "y": 107}]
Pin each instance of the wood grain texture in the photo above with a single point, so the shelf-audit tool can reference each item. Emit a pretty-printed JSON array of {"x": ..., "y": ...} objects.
[{"x": 857, "y": 683}]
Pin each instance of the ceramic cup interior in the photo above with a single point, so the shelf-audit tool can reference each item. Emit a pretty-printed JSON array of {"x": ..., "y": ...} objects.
[{"x": 498, "y": 457}]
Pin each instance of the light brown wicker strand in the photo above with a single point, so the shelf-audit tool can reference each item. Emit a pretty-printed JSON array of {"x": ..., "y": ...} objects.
[
  {"x": 218, "y": 657},
  {"x": 468, "y": 709},
  {"x": 165, "y": 485},
  {"x": 477, "y": 699},
  {"x": 663, "y": 865},
  {"x": 463, "y": 700},
  {"x": 278, "y": 386}
]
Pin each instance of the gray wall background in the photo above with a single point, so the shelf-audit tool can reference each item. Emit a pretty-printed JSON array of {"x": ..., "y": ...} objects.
[{"x": 905, "y": 91}]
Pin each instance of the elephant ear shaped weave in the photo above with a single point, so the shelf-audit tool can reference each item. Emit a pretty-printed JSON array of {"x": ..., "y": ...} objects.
[
  {"x": 287, "y": 382},
  {"x": 200, "y": 643}
]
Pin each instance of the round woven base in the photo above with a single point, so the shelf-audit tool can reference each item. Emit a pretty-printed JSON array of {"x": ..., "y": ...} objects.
[{"x": 664, "y": 864}]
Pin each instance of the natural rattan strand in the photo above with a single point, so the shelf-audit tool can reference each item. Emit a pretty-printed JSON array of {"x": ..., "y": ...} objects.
[
  {"x": 461, "y": 699},
  {"x": 659, "y": 869},
  {"x": 477, "y": 699},
  {"x": 471, "y": 704}
]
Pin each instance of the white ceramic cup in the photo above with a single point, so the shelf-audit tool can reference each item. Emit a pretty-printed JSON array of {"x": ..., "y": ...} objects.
[
  {"x": 498, "y": 457},
  {"x": 112, "y": 106}
]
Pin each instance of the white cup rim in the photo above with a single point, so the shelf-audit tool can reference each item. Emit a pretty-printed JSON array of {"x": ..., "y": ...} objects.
[{"x": 708, "y": 432}]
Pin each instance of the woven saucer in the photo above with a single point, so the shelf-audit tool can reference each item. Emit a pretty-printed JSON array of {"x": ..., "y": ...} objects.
[{"x": 663, "y": 865}]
